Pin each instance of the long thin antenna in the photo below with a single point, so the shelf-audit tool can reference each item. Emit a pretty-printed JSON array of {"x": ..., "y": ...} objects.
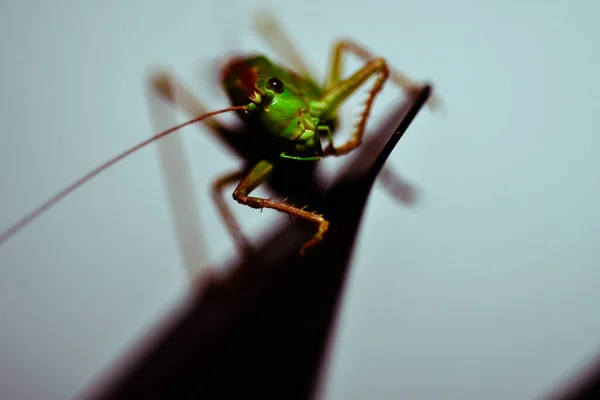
[{"x": 60, "y": 195}]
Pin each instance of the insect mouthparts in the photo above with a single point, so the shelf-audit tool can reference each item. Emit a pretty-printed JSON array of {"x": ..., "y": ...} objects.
[{"x": 255, "y": 97}]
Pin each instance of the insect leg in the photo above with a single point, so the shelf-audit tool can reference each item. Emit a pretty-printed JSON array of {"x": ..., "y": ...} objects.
[
  {"x": 275, "y": 37},
  {"x": 228, "y": 218},
  {"x": 397, "y": 187},
  {"x": 174, "y": 92},
  {"x": 338, "y": 93},
  {"x": 393, "y": 183},
  {"x": 396, "y": 77},
  {"x": 260, "y": 173}
]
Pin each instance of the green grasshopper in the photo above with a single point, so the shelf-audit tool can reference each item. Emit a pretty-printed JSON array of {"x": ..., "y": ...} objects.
[{"x": 290, "y": 115}]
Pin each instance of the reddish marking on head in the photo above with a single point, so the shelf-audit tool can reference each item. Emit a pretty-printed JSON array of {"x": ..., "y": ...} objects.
[{"x": 246, "y": 75}]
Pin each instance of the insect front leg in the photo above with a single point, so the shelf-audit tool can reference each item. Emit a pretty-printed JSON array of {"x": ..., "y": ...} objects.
[
  {"x": 339, "y": 92},
  {"x": 396, "y": 77},
  {"x": 259, "y": 174},
  {"x": 393, "y": 183}
]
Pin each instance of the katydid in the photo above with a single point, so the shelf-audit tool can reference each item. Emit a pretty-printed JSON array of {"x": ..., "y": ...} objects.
[{"x": 290, "y": 114}]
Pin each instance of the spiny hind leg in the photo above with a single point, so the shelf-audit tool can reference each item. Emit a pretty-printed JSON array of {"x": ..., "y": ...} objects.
[
  {"x": 397, "y": 77},
  {"x": 174, "y": 92},
  {"x": 259, "y": 174},
  {"x": 191, "y": 237},
  {"x": 275, "y": 37}
]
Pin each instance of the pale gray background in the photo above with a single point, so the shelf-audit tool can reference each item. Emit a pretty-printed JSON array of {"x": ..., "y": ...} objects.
[{"x": 488, "y": 288}]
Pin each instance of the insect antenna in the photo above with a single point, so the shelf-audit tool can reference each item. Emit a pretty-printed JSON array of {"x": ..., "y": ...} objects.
[{"x": 26, "y": 220}]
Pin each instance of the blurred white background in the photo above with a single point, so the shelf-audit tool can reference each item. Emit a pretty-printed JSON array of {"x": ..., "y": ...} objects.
[{"x": 487, "y": 288}]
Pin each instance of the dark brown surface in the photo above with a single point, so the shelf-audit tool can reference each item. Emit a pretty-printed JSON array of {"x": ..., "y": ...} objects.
[
  {"x": 585, "y": 385},
  {"x": 262, "y": 331}
]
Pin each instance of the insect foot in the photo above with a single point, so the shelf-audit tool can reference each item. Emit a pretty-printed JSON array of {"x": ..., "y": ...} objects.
[{"x": 323, "y": 226}]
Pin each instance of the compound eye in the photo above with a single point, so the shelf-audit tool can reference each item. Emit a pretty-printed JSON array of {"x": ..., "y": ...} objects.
[{"x": 275, "y": 85}]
